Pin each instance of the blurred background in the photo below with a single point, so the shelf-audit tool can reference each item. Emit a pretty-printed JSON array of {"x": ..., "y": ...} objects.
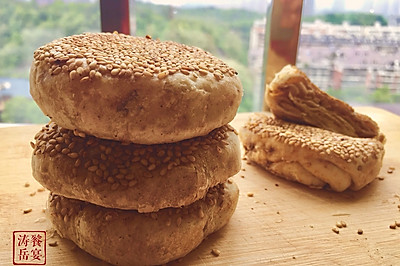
[{"x": 350, "y": 49}]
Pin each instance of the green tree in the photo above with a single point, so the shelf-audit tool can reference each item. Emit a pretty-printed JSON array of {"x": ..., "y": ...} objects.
[
  {"x": 247, "y": 80},
  {"x": 354, "y": 18},
  {"x": 25, "y": 26},
  {"x": 382, "y": 95},
  {"x": 20, "y": 109}
]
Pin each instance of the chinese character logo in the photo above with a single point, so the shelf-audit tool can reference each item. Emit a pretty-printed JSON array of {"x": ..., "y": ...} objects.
[{"x": 29, "y": 247}]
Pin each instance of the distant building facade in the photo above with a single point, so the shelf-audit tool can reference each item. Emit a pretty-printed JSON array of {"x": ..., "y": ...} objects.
[{"x": 341, "y": 56}]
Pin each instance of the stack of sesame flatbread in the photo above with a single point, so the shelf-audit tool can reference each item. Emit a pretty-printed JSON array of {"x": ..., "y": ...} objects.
[{"x": 138, "y": 153}]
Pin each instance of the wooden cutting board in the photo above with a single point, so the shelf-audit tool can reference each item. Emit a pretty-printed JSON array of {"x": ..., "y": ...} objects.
[{"x": 277, "y": 222}]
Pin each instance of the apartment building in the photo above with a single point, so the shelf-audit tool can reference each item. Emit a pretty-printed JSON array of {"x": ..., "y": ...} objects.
[{"x": 341, "y": 56}]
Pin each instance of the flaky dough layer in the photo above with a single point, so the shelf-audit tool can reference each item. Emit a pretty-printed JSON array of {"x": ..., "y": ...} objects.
[
  {"x": 291, "y": 96},
  {"x": 312, "y": 156},
  {"x": 133, "y": 89},
  {"x": 130, "y": 238},
  {"x": 132, "y": 176}
]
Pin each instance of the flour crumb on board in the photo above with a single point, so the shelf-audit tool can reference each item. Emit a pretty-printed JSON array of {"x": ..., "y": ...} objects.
[
  {"x": 390, "y": 170},
  {"x": 27, "y": 210},
  {"x": 216, "y": 252},
  {"x": 40, "y": 220},
  {"x": 53, "y": 244},
  {"x": 341, "y": 224},
  {"x": 335, "y": 230}
]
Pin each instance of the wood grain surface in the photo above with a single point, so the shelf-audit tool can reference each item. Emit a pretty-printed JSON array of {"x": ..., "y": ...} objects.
[{"x": 277, "y": 222}]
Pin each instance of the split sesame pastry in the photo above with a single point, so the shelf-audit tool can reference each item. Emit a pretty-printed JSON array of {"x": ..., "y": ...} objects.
[
  {"x": 312, "y": 156},
  {"x": 133, "y": 89},
  {"x": 132, "y": 176},
  {"x": 124, "y": 237},
  {"x": 291, "y": 96}
]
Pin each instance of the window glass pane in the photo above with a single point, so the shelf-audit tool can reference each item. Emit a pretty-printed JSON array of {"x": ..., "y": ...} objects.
[
  {"x": 24, "y": 26},
  {"x": 348, "y": 48},
  {"x": 224, "y": 28},
  {"x": 220, "y": 27},
  {"x": 351, "y": 50}
]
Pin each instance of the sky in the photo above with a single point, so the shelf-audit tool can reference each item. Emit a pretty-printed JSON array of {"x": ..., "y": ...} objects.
[
  {"x": 184, "y": 2},
  {"x": 379, "y": 6},
  {"x": 319, "y": 4},
  {"x": 349, "y": 5}
]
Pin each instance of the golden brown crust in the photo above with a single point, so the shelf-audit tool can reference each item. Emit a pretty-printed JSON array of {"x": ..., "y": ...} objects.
[
  {"x": 310, "y": 155},
  {"x": 132, "y": 176},
  {"x": 291, "y": 96},
  {"x": 130, "y": 238},
  {"x": 133, "y": 89}
]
